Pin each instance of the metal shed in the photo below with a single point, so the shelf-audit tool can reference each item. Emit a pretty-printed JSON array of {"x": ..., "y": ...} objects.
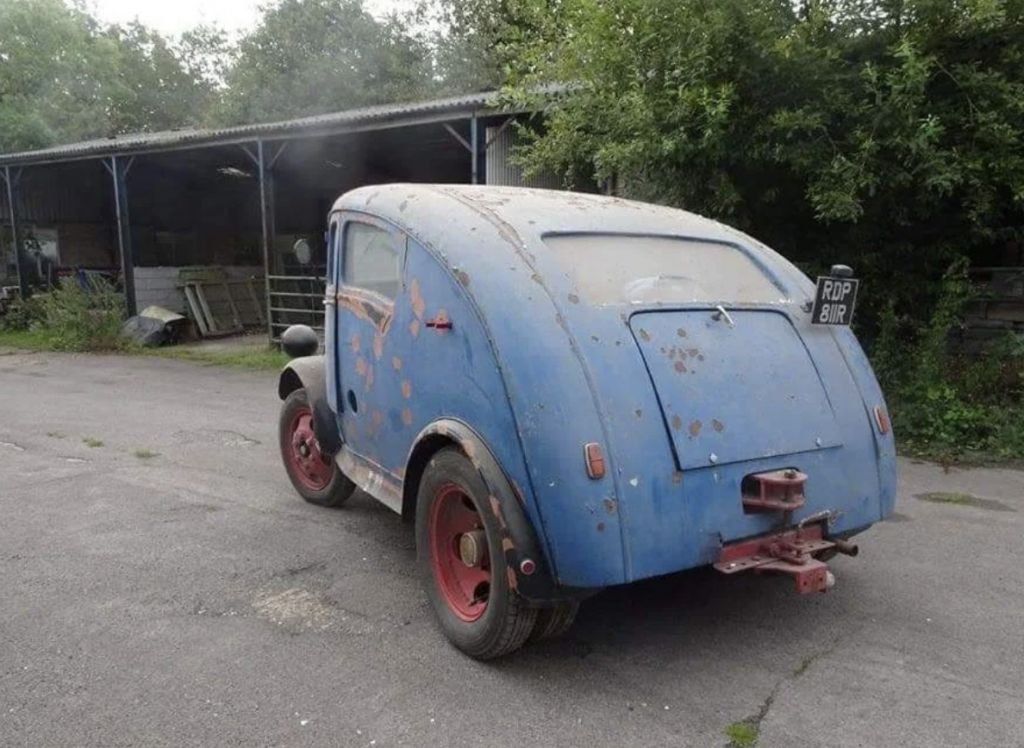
[{"x": 166, "y": 210}]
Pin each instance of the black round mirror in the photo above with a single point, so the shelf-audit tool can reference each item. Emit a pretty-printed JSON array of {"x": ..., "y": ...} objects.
[
  {"x": 299, "y": 340},
  {"x": 303, "y": 252}
]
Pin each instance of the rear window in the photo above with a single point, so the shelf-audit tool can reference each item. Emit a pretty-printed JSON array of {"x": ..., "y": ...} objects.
[{"x": 617, "y": 269}]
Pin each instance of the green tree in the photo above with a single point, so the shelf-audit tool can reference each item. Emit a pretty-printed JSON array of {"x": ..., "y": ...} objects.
[
  {"x": 887, "y": 134},
  {"x": 313, "y": 56},
  {"x": 64, "y": 76}
]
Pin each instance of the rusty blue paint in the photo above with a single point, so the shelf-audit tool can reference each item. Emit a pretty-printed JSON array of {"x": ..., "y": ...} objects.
[{"x": 537, "y": 370}]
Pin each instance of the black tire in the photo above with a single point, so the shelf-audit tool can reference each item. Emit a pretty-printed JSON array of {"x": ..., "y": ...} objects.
[
  {"x": 338, "y": 489},
  {"x": 554, "y": 621},
  {"x": 507, "y": 621}
]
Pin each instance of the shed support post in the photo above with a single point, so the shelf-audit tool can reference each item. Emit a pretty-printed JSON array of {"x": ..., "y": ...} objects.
[
  {"x": 119, "y": 172},
  {"x": 474, "y": 140},
  {"x": 13, "y": 181},
  {"x": 267, "y": 225}
]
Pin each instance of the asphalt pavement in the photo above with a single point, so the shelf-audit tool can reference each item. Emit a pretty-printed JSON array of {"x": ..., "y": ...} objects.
[{"x": 162, "y": 585}]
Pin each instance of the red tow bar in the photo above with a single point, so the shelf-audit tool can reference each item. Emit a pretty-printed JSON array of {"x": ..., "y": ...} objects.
[{"x": 790, "y": 552}]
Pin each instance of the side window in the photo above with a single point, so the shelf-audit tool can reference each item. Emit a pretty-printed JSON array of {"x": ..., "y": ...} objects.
[{"x": 370, "y": 259}]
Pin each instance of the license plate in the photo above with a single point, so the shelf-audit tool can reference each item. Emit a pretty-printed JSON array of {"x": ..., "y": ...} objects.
[{"x": 834, "y": 301}]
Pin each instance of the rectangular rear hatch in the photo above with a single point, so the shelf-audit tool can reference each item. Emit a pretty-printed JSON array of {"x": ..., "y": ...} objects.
[{"x": 734, "y": 392}]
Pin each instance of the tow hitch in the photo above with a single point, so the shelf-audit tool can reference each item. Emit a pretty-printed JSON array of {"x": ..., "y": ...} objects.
[{"x": 790, "y": 552}]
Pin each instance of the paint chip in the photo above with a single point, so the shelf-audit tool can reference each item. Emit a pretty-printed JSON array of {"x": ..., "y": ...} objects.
[{"x": 634, "y": 482}]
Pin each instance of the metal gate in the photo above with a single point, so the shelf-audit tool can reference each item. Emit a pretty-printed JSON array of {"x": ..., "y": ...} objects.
[{"x": 295, "y": 300}]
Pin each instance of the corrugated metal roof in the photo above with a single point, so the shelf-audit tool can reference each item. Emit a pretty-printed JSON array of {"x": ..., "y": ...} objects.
[{"x": 367, "y": 118}]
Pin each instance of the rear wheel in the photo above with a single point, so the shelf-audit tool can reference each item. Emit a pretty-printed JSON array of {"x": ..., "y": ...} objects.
[
  {"x": 317, "y": 478},
  {"x": 462, "y": 562},
  {"x": 554, "y": 621}
]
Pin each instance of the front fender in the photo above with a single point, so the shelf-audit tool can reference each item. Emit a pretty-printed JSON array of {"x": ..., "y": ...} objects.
[
  {"x": 519, "y": 539},
  {"x": 310, "y": 373}
]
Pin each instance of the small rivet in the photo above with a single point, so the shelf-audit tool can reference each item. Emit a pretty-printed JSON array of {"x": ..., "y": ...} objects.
[{"x": 713, "y": 458}]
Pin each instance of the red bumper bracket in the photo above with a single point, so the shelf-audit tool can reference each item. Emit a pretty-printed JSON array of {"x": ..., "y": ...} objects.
[{"x": 791, "y": 552}]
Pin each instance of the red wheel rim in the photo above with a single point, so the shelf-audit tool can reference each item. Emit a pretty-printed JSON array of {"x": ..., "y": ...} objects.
[
  {"x": 304, "y": 458},
  {"x": 465, "y": 588}
]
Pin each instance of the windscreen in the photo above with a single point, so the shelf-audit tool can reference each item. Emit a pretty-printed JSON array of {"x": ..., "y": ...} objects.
[{"x": 619, "y": 269}]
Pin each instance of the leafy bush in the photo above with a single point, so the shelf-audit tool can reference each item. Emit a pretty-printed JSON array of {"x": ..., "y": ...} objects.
[
  {"x": 21, "y": 315},
  {"x": 78, "y": 318},
  {"x": 947, "y": 405}
]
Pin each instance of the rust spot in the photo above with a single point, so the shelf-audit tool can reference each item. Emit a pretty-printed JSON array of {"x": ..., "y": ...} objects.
[
  {"x": 681, "y": 332},
  {"x": 463, "y": 277},
  {"x": 561, "y": 321},
  {"x": 677, "y": 422},
  {"x": 600, "y": 526},
  {"x": 680, "y": 367},
  {"x": 414, "y": 328},
  {"x": 361, "y": 366},
  {"x": 496, "y": 508},
  {"x": 519, "y": 493},
  {"x": 609, "y": 506},
  {"x": 418, "y": 304},
  {"x": 644, "y": 335},
  {"x": 677, "y": 477},
  {"x": 695, "y": 428},
  {"x": 369, "y": 378},
  {"x": 403, "y": 206},
  {"x": 407, "y": 417},
  {"x": 513, "y": 581},
  {"x": 574, "y": 299},
  {"x": 595, "y": 338},
  {"x": 376, "y": 420},
  {"x": 378, "y": 346},
  {"x": 717, "y": 425},
  {"x": 507, "y": 544},
  {"x": 397, "y": 363},
  {"x": 535, "y": 278},
  {"x": 356, "y": 344},
  {"x": 406, "y": 389},
  {"x": 639, "y": 413},
  {"x": 692, "y": 351}
]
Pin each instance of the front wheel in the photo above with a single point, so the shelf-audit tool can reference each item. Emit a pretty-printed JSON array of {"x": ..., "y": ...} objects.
[
  {"x": 462, "y": 562},
  {"x": 317, "y": 478}
]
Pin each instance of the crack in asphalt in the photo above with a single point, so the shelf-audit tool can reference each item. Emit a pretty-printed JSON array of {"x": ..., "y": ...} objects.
[{"x": 794, "y": 675}]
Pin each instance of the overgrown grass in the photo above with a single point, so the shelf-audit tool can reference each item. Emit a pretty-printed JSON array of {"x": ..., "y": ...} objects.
[
  {"x": 81, "y": 314},
  {"x": 267, "y": 358},
  {"x": 29, "y": 340},
  {"x": 92, "y": 442},
  {"x": 145, "y": 454}
]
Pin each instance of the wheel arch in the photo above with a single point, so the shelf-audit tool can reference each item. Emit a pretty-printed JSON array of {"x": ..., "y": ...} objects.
[
  {"x": 520, "y": 539},
  {"x": 310, "y": 373}
]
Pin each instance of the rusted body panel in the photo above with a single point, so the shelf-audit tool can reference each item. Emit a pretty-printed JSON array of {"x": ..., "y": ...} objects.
[{"x": 491, "y": 329}]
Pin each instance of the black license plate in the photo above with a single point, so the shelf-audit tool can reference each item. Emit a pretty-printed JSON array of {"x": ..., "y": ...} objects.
[{"x": 834, "y": 301}]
